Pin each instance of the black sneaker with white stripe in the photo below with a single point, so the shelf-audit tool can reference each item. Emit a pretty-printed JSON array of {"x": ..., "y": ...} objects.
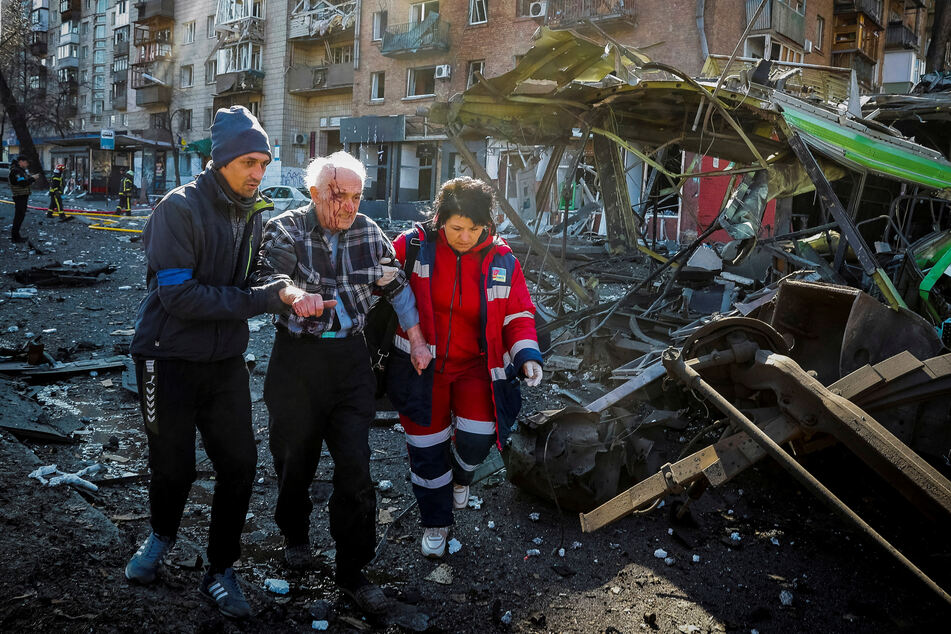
[{"x": 223, "y": 589}]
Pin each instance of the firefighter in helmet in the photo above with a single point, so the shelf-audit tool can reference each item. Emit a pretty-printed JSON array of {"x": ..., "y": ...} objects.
[
  {"x": 126, "y": 191},
  {"x": 56, "y": 195}
]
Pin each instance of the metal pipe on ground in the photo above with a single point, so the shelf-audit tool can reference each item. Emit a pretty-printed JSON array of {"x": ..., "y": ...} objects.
[{"x": 676, "y": 365}]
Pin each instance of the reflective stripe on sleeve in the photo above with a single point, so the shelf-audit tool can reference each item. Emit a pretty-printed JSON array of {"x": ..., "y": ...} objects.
[{"x": 513, "y": 316}]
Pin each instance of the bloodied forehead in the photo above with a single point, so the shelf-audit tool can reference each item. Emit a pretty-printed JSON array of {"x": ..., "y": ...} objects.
[{"x": 346, "y": 181}]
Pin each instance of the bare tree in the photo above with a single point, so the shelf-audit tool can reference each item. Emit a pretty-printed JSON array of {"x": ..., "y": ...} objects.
[{"x": 940, "y": 37}]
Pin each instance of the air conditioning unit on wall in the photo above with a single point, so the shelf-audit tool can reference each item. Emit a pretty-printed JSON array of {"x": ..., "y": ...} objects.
[
  {"x": 299, "y": 139},
  {"x": 538, "y": 9},
  {"x": 443, "y": 71},
  {"x": 807, "y": 47}
]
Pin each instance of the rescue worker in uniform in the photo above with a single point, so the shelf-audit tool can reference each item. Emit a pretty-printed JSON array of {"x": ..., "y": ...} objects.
[
  {"x": 56, "y": 195},
  {"x": 20, "y": 181},
  {"x": 126, "y": 191}
]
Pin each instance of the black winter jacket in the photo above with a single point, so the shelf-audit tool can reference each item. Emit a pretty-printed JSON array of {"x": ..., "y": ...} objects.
[{"x": 199, "y": 299}]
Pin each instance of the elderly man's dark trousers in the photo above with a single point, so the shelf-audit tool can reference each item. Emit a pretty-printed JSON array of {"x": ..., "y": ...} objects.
[
  {"x": 321, "y": 390},
  {"x": 177, "y": 398},
  {"x": 19, "y": 214}
]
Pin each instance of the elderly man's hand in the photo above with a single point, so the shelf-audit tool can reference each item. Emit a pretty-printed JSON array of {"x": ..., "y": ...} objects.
[
  {"x": 389, "y": 272},
  {"x": 305, "y": 304},
  {"x": 533, "y": 373},
  {"x": 420, "y": 355}
]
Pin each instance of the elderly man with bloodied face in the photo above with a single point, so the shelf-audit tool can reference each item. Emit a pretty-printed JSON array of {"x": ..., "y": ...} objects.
[{"x": 320, "y": 385}]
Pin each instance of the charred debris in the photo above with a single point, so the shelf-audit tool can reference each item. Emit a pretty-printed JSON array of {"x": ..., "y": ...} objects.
[{"x": 807, "y": 316}]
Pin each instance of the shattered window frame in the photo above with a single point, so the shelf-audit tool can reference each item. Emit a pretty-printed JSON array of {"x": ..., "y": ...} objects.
[
  {"x": 478, "y": 12},
  {"x": 424, "y": 75}
]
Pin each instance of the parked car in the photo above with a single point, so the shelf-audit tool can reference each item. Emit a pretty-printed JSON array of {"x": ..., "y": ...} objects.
[
  {"x": 285, "y": 197},
  {"x": 4, "y": 172}
]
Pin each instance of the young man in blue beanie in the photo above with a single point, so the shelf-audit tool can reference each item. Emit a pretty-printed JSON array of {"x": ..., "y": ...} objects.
[{"x": 191, "y": 333}]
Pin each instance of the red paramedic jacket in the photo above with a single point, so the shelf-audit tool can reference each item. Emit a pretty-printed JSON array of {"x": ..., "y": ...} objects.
[{"x": 505, "y": 332}]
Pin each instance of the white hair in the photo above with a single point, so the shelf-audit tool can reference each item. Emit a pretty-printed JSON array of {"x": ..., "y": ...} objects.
[{"x": 322, "y": 168}]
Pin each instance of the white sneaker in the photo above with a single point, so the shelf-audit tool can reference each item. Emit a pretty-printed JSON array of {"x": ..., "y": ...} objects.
[
  {"x": 434, "y": 541},
  {"x": 460, "y": 496}
]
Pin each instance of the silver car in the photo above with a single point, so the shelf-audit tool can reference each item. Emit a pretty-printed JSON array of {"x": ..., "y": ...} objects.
[{"x": 285, "y": 197}]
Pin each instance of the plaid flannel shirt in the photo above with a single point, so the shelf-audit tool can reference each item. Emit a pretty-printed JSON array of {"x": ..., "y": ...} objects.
[{"x": 295, "y": 249}]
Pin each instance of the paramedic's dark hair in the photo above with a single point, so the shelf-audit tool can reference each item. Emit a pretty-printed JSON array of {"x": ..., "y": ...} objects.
[{"x": 467, "y": 197}]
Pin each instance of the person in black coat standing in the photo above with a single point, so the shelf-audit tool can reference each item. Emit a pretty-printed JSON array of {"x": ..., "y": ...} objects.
[{"x": 20, "y": 182}]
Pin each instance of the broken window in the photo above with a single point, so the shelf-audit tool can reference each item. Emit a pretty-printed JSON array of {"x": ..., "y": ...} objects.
[
  {"x": 421, "y": 82},
  {"x": 240, "y": 57},
  {"x": 478, "y": 11},
  {"x": 377, "y": 86},
  {"x": 379, "y": 25},
  {"x": 234, "y": 10},
  {"x": 475, "y": 66},
  {"x": 421, "y": 10}
]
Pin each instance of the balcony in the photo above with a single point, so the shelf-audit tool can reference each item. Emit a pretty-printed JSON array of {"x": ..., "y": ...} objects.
[
  {"x": 239, "y": 82},
  {"x": 856, "y": 33},
  {"x": 153, "y": 95},
  {"x": 40, "y": 20},
  {"x": 317, "y": 19},
  {"x": 120, "y": 49},
  {"x": 67, "y": 62},
  {"x": 779, "y": 18},
  {"x": 39, "y": 43},
  {"x": 67, "y": 110},
  {"x": 569, "y": 13},
  {"x": 120, "y": 76},
  {"x": 120, "y": 101},
  {"x": 69, "y": 9},
  {"x": 863, "y": 67},
  {"x": 69, "y": 38},
  {"x": 404, "y": 40},
  {"x": 871, "y": 8},
  {"x": 901, "y": 37},
  {"x": 155, "y": 9},
  {"x": 326, "y": 79}
]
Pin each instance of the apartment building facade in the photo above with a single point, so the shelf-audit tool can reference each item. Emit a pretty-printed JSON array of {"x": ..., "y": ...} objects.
[{"x": 146, "y": 76}]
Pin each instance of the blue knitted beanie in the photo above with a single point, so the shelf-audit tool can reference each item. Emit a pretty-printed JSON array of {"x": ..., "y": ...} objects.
[{"x": 234, "y": 133}]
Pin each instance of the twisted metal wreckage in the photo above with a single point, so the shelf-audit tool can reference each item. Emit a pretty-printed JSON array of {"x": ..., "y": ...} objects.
[{"x": 797, "y": 356}]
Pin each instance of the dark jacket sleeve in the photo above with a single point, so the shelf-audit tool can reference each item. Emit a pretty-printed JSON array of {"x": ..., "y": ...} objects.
[{"x": 171, "y": 241}]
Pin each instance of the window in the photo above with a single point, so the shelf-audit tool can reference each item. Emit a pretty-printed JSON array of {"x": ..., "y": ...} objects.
[
  {"x": 211, "y": 71},
  {"x": 379, "y": 25},
  {"x": 209, "y": 114},
  {"x": 188, "y": 34},
  {"x": 377, "y": 86},
  {"x": 98, "y": 81},
  {"x": 476, "y": 66},
  {"x": 244, "y": 56},
  {"x": 187, "y": 75},
  {"x": 820, "y": 32},
  {"x": 101, "y": 6},
  {"x": 478, "y": 11},
  {"x": 158, "y": 120},
  {"x": 122, "y": 6},
  {"x": 84, "y": 52},
  {"x": 99, "y": 32},
  {"x": 186, "y": 120},
  {"x": 66, "y": 50},
  {"x": 231, "y": 10},
  {"x": 421, "y": 10},
  {"x": 99, "y": 44},
  {"x": 70, "y": 26},
  {"x": 64, "y": 28},
  {"x": 341, "y": 54},
  {"x": 210, "y": 27},
  {"x": 97, "y": 107},
  {"x": 99, "y": 56},
  {"x": 84, "y": 76},
  {"x": 121, "y": 35},
  {"x": 100, "y": 19},
  {"x": 421, "y": 82},
  {"x": 120, "y": 64}
]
